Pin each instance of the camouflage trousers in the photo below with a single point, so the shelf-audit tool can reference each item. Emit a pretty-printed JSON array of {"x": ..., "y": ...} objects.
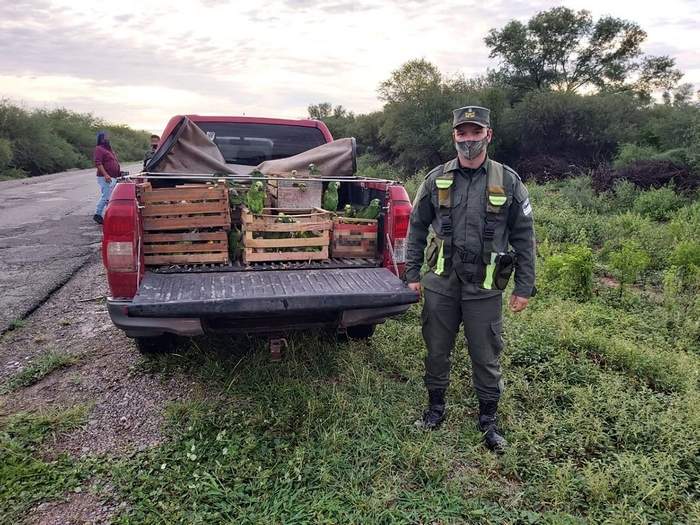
[{"x": 483, "y": 324}]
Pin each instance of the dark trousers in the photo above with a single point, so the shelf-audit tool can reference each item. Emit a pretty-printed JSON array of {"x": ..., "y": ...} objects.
[{"x": 483, "y": 323}]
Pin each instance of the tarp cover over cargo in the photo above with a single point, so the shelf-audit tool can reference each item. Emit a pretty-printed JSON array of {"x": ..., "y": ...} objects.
[{"x": 188, "y": 149}]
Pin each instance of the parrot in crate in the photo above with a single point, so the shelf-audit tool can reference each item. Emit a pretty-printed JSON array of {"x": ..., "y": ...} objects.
[
  {"x": 371, "y": 211},
  {"x": 349, "y": 211},
  {"x": 255, "y": 198},
  {"x": 330, "y": 196}
]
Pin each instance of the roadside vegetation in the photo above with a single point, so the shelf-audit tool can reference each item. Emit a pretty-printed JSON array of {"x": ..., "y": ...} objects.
[
  {"x": 35, "y": 142},
  {"x": 602, "y": 406}
]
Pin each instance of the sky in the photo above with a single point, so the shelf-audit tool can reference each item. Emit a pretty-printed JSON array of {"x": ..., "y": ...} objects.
[{"x": 139, "y": 62}]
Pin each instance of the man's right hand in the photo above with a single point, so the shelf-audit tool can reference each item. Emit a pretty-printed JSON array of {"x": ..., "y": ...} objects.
[
  {"x": 108, "y": 179},
  {"x": 416, "y": 287}
]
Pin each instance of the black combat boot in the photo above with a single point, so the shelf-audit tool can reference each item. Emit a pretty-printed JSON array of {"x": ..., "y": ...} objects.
[
  {"x": 97, "y": 218},
  {"x": 489, "y": 426},
  {"x": 434, "y": 415}
]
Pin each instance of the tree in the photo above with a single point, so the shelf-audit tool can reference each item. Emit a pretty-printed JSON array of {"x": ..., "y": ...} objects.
[
  {"x": 566, "y": 50},
  {"x": 410, "y": 82}
]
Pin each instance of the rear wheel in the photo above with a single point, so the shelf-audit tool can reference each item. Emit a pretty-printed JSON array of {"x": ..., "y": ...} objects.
[
  {"x": 361, "y": 331},
  {"x": 160, "y": 344}
]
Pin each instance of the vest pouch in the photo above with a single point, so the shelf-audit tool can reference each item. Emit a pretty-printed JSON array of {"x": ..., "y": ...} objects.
[
  {"x": 505, "y": 264},
  {"x": 431, "y": 254}
]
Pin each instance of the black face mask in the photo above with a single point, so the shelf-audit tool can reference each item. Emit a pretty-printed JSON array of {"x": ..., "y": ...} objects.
[
  {"x": 154, "y": 147},
  {"x": 471, "y": 148}
]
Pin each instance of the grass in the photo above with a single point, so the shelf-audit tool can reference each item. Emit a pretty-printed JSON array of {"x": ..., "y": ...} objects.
[
  {"x": 37, "y": 370},
  {"x": 601, "y": 409}
]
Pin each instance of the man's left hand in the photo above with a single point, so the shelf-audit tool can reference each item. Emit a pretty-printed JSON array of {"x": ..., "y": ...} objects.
[{"x": 517, "y": 303}]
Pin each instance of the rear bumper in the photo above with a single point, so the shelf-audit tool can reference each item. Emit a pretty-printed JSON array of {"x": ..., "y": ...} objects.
[
  {"x": 152, "y": 326},
  {"x": 135, "y": 326},
  {"x": 261, "y": 301}
]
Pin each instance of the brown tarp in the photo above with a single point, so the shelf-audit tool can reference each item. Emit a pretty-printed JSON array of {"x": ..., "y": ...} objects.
[{"x": 194, "y": 152}]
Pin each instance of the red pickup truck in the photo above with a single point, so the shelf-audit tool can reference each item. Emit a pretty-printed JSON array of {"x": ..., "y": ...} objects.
[{"x": 156, "y": 304}]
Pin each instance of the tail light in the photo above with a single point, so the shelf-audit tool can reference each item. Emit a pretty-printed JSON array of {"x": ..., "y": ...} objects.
[
  {"x": 121, "y": 252},
  {"x": 399, "y": 217}
]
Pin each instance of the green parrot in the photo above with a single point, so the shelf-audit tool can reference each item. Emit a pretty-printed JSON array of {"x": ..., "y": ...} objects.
[
  {"x": 349, "y": 211},
  {"x": 371, "y": 211},
  {"x": 330, "y": 196},
  {"x": 255, "y": 198},
  {"x": 234, "y": 243}
]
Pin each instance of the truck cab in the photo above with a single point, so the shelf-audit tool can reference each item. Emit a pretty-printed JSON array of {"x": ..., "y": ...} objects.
[{"x": 155, "y": 303}]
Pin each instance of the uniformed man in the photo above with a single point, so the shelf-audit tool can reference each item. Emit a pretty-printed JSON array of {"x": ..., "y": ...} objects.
[{"x": 482, "y": 223}]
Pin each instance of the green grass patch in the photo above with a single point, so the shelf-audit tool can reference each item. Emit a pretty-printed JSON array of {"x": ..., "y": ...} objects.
[
  {"x": 25, "y": 477},
  {"x": 42, "y": 366}
]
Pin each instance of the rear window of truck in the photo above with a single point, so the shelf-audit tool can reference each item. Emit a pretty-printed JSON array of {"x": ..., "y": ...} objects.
[{"x": 250, "y": 144}]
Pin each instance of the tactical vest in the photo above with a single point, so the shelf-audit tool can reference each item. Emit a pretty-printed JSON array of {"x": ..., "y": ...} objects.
[{"x": 496, "y": 199}]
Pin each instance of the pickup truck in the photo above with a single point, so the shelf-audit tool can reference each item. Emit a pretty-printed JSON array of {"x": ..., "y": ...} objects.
[{"x": 154, "y": 305}]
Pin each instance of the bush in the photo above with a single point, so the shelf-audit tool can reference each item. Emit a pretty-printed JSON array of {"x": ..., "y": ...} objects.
[
  {"x": 570, "y": 274},
  {"x": 629, "y": 262},
  {"x": 625, "y": 194},
  {"x": 630, "y": 153},
  {"x": 579, "y": 192},
  {"x": 659, "y": 204},
  {"x": 46, "y": 142}
]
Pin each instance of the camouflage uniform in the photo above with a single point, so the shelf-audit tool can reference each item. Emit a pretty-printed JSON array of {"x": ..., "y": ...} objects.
[{"x": 457, "y": 296}]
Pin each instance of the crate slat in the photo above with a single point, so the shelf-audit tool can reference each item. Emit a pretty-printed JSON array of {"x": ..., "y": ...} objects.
[
  {"x": 190, "y": 258},
  {"x": 211, "y": 193},
  {"x": 185, "y": 236},
  {"x": 183, "y": 223},
  {"x": 184, "y": 208}
]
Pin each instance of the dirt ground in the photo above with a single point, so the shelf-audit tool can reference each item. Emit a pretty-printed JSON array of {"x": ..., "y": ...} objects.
[{"x": 126, "y": 404}]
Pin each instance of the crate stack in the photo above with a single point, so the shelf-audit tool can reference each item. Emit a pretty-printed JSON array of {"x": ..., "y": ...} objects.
[
  {"x": 186, "y": 224},
  {"x": 286, "y": 234},
  {"x": 354, "y": 238}
]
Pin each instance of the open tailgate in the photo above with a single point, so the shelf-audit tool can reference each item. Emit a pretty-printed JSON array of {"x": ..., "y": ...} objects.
[{"x": 252, "y": 293}]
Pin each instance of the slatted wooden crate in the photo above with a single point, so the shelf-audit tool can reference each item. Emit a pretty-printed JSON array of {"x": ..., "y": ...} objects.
[
  {"x": 293, "y": 193},
  {"x": 186, "y": 207},
  {"x": 200, "y": 209},
  {"x": 266, "y": 238},
  {"x": 354, "y": 237},
  {"x": 185, "y": 248}
]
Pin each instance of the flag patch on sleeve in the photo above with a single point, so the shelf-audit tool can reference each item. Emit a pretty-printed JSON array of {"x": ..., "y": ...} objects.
[{"x": 527, "y": 209}]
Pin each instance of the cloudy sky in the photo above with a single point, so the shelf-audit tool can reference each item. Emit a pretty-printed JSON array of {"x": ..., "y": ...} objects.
[{"x": 140, "y": 62}]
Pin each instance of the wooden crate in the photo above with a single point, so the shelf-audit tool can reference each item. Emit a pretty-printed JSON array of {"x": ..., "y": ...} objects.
[
  {"x": 185, "y": 248},
  {"x": 294, "y": 194},
  {"x": 354, "y": 238},
  {"x": 185, "y": 207},
  {"x": 289, "y": 246}
]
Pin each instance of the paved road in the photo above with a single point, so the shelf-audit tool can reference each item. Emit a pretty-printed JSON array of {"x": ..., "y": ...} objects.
[{"x": 46, "y": 235}]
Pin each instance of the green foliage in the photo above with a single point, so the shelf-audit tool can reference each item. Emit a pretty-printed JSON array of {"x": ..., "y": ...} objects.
[
  {"x": 564, "y": 49},
  {"x": 579, "y": 193},
  {"x": 583, "y": 130},
  {"x": 659, "y": 204},
  {"x": 625, "y": 193},
  {"x": 629, "y": 262},
  {"x": 50, "y": 141},
  {"x": 630, "y": 153},
  {"x": 38, "y": 369},
  {"x": 570, "y": 274},
  {"x": 26, "y": 478}
]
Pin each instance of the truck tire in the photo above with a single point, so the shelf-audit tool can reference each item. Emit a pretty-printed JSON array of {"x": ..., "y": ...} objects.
[
  {"x": 160, "y": 344},
  {"x": 361, "y": 331}
]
